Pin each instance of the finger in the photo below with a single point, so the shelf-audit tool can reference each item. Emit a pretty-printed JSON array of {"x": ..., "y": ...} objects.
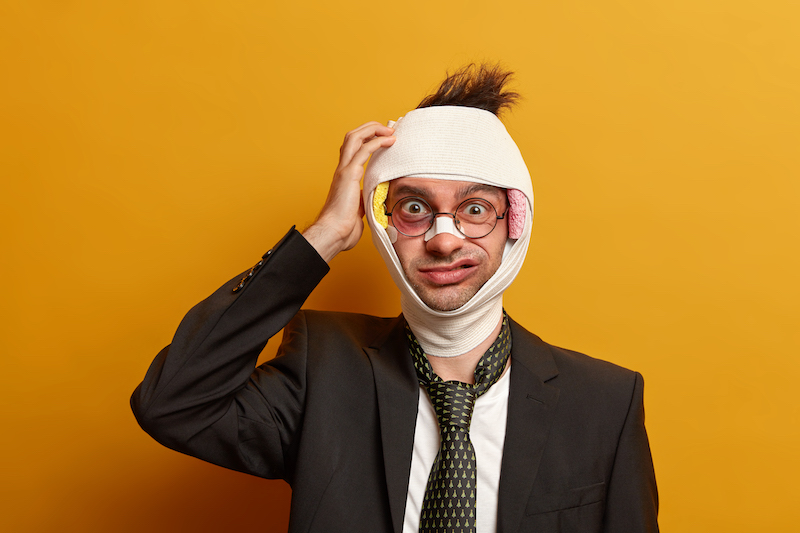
[
  {"x": 369, "y": 148},
  {"x": 356, "y": 138},
  {"x": 354, "y": 171},
  {"x": 367, "y": 126}
]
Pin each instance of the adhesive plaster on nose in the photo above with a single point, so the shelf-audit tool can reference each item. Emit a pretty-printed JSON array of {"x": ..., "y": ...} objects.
[{"x": 442, "y": 225}]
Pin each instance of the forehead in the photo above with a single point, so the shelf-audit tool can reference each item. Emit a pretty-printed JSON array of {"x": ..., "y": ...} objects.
[{"x": 435, "y": 189}]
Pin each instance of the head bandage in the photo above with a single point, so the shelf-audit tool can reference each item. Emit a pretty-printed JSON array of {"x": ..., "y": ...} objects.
[{"x": 460, "y": 144}]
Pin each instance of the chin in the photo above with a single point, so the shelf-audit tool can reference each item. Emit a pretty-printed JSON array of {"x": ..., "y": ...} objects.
[
  {"x": 444, "y": 307},
  {"x": 443, "y": 301}
]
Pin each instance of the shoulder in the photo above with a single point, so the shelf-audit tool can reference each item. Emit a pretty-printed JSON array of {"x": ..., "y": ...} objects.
[
  {"x": 576, "y": 374},
  {"x": 582, "y": 368},
  {"x": 343, "y": 328}
]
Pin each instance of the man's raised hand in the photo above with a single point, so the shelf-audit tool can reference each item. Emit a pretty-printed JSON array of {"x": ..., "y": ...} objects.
[{"x": 339, "y": 224}]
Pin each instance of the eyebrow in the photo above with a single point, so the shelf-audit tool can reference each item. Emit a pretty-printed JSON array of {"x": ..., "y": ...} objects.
[
  {"x": 405, "y": 190},
  {"x": 479, "y": 187}
]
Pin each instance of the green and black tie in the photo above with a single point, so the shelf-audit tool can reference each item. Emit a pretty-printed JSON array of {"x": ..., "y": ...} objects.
[{"x": 449, "y": 503}]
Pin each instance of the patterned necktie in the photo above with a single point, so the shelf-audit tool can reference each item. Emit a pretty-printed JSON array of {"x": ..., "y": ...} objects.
[{"x": 449, "y": 502}]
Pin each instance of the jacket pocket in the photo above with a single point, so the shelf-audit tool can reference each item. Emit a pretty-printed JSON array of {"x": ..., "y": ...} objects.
[{"x": 562, "y": 500}]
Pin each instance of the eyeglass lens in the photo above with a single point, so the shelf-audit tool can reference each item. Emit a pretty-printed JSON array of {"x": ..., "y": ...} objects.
[{"x": 413, "y": 216}]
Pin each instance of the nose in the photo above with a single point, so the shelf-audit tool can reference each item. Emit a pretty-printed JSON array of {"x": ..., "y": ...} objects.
[
  {"x": 443, "y": 223},
  {"x": 444, "y": 243}
]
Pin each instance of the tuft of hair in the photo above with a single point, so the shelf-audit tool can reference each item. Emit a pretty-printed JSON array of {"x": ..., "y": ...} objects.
[{"x": 482, "y": 86}]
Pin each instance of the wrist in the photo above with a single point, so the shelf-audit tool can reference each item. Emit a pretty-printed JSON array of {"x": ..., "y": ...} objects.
[{"x": 326, "y": 242}]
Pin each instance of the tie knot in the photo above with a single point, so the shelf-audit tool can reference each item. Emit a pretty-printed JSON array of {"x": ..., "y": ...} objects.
[{"x": 453, "y": 402}]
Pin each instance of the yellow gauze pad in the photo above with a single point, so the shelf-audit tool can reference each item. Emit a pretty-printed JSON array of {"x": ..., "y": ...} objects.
[{"x": 378, "y": 200}]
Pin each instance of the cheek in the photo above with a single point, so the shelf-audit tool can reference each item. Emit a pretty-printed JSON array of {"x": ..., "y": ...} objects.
[
  {"x": 403, "y": 249},
  {"x": 495, "y": 244},
  {"x": 502, "y": 237}
]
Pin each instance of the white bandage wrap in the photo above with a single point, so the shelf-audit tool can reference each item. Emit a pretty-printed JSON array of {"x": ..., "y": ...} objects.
[{"x": 461, "y": 144}]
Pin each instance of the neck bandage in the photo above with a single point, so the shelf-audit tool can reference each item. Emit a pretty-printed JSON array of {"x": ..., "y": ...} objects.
[{"x": 461, "y": 144}]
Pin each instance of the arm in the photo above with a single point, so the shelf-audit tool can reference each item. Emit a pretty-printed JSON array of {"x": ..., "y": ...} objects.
[
  {"x": 202, "y": 395},
  {"x": 198, "y": 396},
  {"x": 632, "y": 498}
]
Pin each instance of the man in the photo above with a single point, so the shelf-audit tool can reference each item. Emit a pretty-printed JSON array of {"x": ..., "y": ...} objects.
[{"x": 451, "y": 417}]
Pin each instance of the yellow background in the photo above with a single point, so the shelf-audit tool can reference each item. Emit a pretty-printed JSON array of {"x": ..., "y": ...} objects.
[{"x": 151, "y": 150}]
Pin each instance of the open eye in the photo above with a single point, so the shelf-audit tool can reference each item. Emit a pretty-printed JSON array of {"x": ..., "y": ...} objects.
[
  {"x": 414, "y": 207},
  {"x": 475, "y": 210}
]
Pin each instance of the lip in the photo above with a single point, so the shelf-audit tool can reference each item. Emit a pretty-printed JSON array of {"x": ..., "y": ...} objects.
[{"x": 448, "y": 274}]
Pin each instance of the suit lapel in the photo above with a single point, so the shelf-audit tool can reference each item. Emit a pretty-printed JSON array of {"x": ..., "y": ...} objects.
[
  {"x": 398, "y": 396},
  {"x": 531, "y": 405}
]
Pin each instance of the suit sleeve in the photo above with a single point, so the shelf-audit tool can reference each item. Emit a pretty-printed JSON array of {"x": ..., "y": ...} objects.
[
  {"x": 203, "y": 396},
  {"x": 632, "y": 498}
]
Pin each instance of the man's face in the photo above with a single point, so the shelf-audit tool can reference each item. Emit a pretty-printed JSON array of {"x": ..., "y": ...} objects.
[{"x": 447, "y": 271}]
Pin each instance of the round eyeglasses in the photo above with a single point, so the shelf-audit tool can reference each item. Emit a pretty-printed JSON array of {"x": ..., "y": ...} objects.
[{"x": 474, "y": 217}]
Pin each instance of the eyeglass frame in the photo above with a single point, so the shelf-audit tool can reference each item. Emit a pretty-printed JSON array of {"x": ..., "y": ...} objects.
[{"x": 436, "y": 214}]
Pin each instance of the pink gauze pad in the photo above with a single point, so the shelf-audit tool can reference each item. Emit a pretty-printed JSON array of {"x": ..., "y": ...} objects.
[{"x": 516, "y": 213}]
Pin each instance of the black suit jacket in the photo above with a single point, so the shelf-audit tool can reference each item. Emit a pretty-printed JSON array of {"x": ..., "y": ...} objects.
[{"x": 334, "y": 414}]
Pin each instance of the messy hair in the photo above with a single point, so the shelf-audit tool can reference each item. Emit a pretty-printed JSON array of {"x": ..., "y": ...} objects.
[{"x": 482, "y": 86}]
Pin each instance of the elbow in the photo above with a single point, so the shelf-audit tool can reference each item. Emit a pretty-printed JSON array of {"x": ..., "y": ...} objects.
[{"x": 148, "y": 418}]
